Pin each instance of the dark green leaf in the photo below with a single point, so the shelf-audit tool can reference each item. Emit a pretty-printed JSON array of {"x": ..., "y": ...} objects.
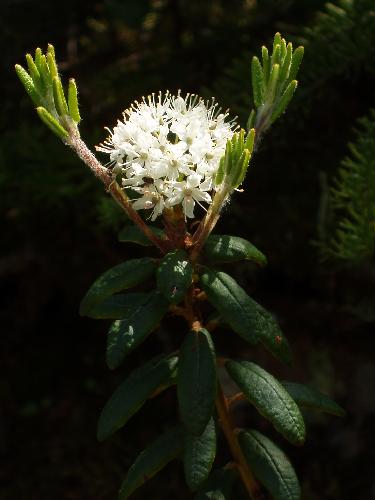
[
  {"x": 126, "y": 334},
  {"x": 247, "y": 318},
  {"x": 270, "y": 334},
  {"x": 309, "y": 397},
  {"x": 270, "y": 465},
  {"x": 117, "y": 306},
  {"x": 257, "y": 78},
  {"x": 225, "y": 248},
  {"x": 218, "y": 486},
  {"x": 133, "y": 234},
  {"x": 199, "y": 455},
  {"x": 174, "y": 276},
  {"x": 148, "y": 463},
  {"x": 232, "y": 302},
  {"x": 196, "y": 381},
  {"x": 270, "y": 398},
  {"x": 116, "y": 279},
  {"x": 131, "y": 395}
]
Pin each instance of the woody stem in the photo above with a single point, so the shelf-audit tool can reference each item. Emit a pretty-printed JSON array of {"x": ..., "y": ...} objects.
[{"x": 251, "y": 485}]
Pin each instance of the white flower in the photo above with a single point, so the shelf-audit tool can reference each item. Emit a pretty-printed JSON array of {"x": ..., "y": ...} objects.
[
  {"x": 150, "y": 198},
  {"x": 168, "y": 149},
  {"x": 188, "y": 192}
]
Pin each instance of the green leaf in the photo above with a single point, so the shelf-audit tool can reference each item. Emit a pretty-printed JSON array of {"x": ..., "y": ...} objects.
[
  {"x": 133, "y": 234},
  {"x": 126, "y": 334},
  {"x": 232, "y": 302},
  {"x": 218, "y": 486},
  {"x": 117, "y": 306},
  {"x": 199, "y": 455},
  {"x": 276, "y": 56},
  {"x": 273, "y": 81},
  {"x": 247, "y": 318},
  {"x": 51, "y": 60},
  {"x": 51, "y": 123},
  {"x": 309, "y": 397},
  {"x": 270, "y": 334},
  {"x": 251, "y": 120},
  {"x": 196, "y": 381},
  {"x": 270, "y": 466},
  {"x": 35, "y": 75},
  {"x": 225, "y": 248},
  {"x": 265, "y": 63},
  {"x": 59, "y": 97},
  {"x": 257, "y": 81},
  {"x": 285, "y": 68},
  {"x": 28, "y": 84},
  {"x": 276, "y": 41},
  {"x": 44, "y": 71},
  {"x": 37, "y": 58},
  {"x": 285, "y": 99},
  {"x": 270, "y": 398},
  {"x": 174, "y": 276},
  {"x": 296, "y": 62},
  {"x": 132, "y": 394},
  {"x": 116, "y": 279},
  {"x": 250, "y": 138},
  {"x": 73, "y": 101},
  {"x": 241, "y": 169},
  {"x": 219, "y": 176},
  {"x": 148, "y": 463}
]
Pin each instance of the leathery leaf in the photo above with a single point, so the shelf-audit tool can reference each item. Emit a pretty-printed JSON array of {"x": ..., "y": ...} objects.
[
  {"x": 270, "y": 465},
  {"x": 118, "y": 278},
  {"x": 117, "y": 306},
  {"x": 218, "y": 486},
  {"x": 199, "y": 455},
  {"x": 174, "y": 276},
  {"x": 126, "y": 334},
  {"x": 270, "y": 398},
  {"x": 308, "y": 397},
  {"x": 131, "y": 395},
  {"x": 157, "y": 455},
  {"x": 196, "y": 381},
  {"x": 225, "y": 248},
  {"x": 247, "y": 318}
]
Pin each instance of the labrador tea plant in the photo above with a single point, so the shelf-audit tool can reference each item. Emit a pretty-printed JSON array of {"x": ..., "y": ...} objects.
[{"x": 172, "y": 156}]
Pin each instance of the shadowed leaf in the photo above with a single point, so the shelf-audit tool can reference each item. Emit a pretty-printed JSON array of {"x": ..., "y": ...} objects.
[
  {"x": 270, "y": 465},
  {"x": 196, "y": 381},
  {"x": 270, "y": 398},
  {"x": 130, "y": 396}
]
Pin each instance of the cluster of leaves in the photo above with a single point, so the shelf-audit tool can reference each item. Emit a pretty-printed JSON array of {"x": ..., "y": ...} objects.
[
  {"x": 339, "y": 42},
  {"x": 43, "y": 84},
  {"x": 193, "y": 368},
  {"x": 351, "y": 200},
  {"x": 273, "y": 82}
]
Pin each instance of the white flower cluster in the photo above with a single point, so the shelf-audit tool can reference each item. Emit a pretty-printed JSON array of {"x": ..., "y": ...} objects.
[{"x": 168, "y": 149}]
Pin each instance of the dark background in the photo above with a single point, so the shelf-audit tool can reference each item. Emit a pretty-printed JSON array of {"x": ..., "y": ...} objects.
[{"x": 58, "y": 232}]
